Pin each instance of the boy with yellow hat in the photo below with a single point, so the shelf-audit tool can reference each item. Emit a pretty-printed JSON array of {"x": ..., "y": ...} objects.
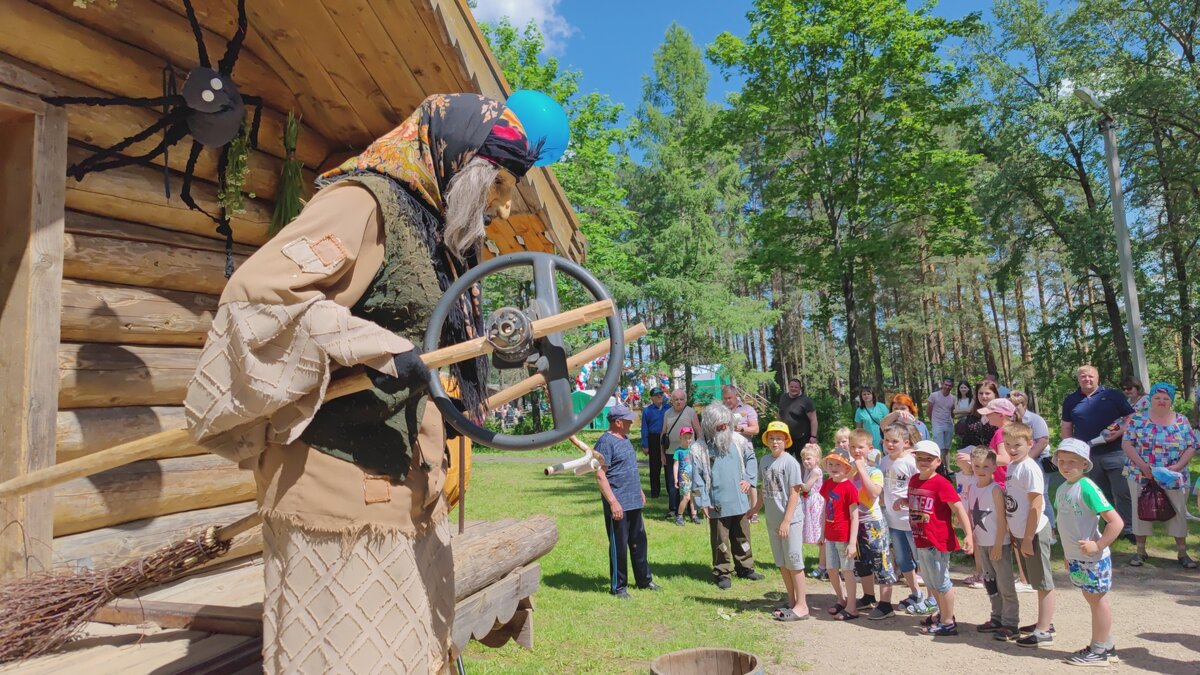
[{"x": 779, "y": 493}]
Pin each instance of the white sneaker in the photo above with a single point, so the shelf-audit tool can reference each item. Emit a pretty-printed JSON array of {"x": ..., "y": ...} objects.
[{"x": 1024, "y": 587}]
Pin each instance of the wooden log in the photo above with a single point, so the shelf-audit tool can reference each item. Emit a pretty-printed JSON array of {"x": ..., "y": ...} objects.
[
  {"x": 478, "y": 615},
  {"x": 136, "y": 263},
  {"x": 91, "y": 224},
  {"x": 99, "y": 312},
  {"x": 245, "y": 620},
  {"x": 81, "y": 432},
  {"x": 152, "y": 487},
  {"x": 135, "y": 193},
  {"x": 116, "y": 545},
  {"x": 102, "y": 376},
  {"x": 479, "y": 561},
  {"x": 85, "y": 55}
]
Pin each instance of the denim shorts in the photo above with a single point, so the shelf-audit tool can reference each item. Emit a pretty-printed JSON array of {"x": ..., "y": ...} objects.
[
  {"x": 835, "y": 556},
  {"x": 904, "y": 550},
  {"x": 1091, "y": 576},
  {"x": 935, "y": 568}
]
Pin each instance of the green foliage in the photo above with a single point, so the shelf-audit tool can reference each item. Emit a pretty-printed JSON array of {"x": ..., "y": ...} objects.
[
  {"x": 289, "y": 197},
  {"x": 230, "y": 195}
]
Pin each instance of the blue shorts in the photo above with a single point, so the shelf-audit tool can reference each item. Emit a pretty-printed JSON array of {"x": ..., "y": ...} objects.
[
  {"x": 904, "y": 549},
  {"x": 935, "y": 568},
  {"x": 1091, "y": 576}
]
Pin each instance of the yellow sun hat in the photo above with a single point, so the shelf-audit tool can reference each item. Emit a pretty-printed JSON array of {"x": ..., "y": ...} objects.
[{"x": 782, "y": 428}]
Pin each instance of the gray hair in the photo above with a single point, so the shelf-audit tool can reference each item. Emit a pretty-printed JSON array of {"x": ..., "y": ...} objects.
[
  {"x": 466, "y": 204},
  {"x": 716, "y": 415}
]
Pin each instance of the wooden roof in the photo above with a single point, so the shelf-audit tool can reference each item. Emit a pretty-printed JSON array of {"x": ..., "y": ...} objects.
[{"x": 353, "y": 69}]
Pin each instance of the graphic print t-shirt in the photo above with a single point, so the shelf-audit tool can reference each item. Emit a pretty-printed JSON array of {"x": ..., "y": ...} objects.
[
  {"x": 839, "y": 499},
  {"x": 929, "y": 512}
]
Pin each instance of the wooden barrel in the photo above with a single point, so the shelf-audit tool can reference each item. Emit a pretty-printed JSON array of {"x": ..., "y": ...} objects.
[{"x": 709, "y": 660}]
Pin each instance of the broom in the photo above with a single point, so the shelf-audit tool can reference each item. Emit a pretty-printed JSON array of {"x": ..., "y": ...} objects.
[{"x": 41, "y": 612}]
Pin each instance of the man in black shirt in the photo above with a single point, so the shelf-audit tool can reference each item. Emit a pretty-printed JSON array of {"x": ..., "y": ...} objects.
[{"x": 799, "y": 413}]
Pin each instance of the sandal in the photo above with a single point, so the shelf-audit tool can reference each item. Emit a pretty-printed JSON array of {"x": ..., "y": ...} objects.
[
  {"x": 932, "y": 619},
  {"x": 787, "y": 616},
  {"x": 845, "y": 616},
  {"x": 1137, "y": 560},
  {"x": 836, "y": 609},
  {"x": 1186, "y": 563}
]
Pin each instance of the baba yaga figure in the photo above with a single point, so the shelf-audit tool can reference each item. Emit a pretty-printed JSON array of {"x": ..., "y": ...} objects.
[{"x": 359, "y": 575}]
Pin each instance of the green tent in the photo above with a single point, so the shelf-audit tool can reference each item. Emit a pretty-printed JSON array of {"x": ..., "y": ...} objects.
[
  {"x": 706, "y": 382},
  {"x": 582, "y": 397}
]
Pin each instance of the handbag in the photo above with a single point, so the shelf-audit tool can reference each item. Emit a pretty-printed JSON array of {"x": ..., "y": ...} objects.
[{"x": 1153, "y": 504}]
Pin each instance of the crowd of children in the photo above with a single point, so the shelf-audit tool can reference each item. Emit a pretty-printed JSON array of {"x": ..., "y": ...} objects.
[{"x": 880, "y": 519}]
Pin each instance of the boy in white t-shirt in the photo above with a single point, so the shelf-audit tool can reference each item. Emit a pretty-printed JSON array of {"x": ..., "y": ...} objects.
[
  {"x": 985, "y": 503},
  {"x": 1079, "y": 502},
  {"x": 898, "y": 467},
  {"x": 1024, "y": 494}
]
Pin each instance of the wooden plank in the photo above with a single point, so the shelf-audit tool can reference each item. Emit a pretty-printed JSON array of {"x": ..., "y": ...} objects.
[
  {"x": 148, "y": 489},
  {"x": 476, "y": 615},
  {"x": 135, "y": 193},
  {"x": 99, "y": 226},
  {"x": 137, "y": 263},
  {"x": 116, "y": 545},
  {"x": 321, "y": 104},
  {"x": 421, "y": 49},
  {"x": 385, "y": 63},
  {"x": 100, "y": 312},
  {"x": 32, "y": 163},
  {"x": 102, "y": 376},
  {"x": 86, "y": 430},
  {"x": 187, "y": 615},
  {"x": 315, "y": 44},
  {"x": 463, "y": 46},
  {"x": 84, "y": 55}
]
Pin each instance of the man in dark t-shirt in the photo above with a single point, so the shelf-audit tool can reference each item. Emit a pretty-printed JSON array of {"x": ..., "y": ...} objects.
[
  {"x": 799, "y": 413},
  {"x": 1092, "y": 414},
  {"x": 623, "y": 500}
]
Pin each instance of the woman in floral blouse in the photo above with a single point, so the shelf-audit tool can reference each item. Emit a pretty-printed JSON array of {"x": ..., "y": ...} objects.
[{"x": 1160, "y": 437}]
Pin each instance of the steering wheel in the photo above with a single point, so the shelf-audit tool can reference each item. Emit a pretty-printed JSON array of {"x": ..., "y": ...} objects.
[{"x": 551, "y": 357}]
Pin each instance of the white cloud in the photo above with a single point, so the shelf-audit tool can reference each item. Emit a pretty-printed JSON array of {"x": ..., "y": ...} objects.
[{"x": 544, "y": 13}]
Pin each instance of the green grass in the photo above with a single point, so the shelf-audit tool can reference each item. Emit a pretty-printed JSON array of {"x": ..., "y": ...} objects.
[{"x": 579, "y": 627}]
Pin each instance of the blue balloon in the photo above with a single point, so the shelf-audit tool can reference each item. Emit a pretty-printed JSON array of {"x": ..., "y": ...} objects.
[{"x": 545, "y": 122}]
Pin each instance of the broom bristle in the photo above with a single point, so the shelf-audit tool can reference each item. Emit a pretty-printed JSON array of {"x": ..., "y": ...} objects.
[{"x": 43, "y": 611}]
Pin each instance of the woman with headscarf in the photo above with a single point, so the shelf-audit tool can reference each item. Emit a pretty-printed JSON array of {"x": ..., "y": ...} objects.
[
  {"x": 359, "y": 575},
  {"x": 1159, "y": 439}
]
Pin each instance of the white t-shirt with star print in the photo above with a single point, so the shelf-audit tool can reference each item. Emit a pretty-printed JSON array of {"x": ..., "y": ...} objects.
[{"x": 981, "y": 507}]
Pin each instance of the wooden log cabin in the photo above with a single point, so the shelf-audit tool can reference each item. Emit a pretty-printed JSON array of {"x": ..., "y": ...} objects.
[{"x": 109, "y": 285}]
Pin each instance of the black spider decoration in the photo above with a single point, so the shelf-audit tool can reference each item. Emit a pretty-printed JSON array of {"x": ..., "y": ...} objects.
[{"x": 209, "y": 108}]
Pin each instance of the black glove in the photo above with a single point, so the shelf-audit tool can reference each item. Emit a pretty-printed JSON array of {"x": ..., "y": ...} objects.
[
  {"x": 411, "y": 374},
  {"x": 450, "y": 431}
]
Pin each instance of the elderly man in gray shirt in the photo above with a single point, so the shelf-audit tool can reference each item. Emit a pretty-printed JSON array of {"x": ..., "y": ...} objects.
[{"x": 723, "y": 492}]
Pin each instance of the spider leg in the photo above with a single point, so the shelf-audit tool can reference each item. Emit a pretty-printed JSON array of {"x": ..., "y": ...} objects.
[
  {"x": 172, "y": 136},
  {"x": 255, "y": 121},
  {"x": 88, "y": 165},
  {"x": 147, "y": 102},
  {"x": 227, "y": 61},
  {"x": 198, "y": 33},
  {"x": 185, "y": 190}
]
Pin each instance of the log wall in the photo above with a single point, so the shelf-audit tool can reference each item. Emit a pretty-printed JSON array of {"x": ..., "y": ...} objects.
[{"x": 142, "y": 273}]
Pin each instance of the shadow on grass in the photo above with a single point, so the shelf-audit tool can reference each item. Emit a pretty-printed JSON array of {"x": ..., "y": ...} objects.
[{"x": 574, "y": 581}]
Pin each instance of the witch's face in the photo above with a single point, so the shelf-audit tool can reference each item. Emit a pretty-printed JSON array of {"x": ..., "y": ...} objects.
[{"x": 500, "y": 196}]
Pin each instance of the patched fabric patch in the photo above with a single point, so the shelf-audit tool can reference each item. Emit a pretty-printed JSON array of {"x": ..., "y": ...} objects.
[
  {"x": 323, "y": 256},
  {"x": 376, "y": 489}
]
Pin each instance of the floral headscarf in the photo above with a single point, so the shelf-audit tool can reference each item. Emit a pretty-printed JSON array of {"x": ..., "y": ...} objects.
[
  {"x": 444, "y": 133},
  {"x": 420, "y": 157}
]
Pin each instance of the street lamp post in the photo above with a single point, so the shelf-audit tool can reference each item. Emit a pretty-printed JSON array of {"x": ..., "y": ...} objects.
[{"x": 1124, "y": 248}]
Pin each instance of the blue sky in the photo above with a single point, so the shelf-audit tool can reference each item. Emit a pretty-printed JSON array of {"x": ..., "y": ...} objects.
[{"x": 613, "y": 42}]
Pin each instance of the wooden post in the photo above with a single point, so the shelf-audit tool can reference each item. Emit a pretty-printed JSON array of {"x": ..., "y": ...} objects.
[{"x": 33, "y": 165}]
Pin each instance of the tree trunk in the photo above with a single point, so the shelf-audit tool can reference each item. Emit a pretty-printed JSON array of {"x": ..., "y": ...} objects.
[
  {"x": 1120, "y": 344},
  {"x": 960, "y": 345},
  {"x": 989, "y": 357},
  {"x": 1023, "y": 336},
  {"x": 873, "y": 326},
  {"x": 851, "y": 306},
  {"x": 1000, "y": 336},
  {"x": 1081, "y": 348},
  {"x": 1187, "y": 355}
]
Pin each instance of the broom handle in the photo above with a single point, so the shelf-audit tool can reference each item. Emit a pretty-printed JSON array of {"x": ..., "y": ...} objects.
[
  {"x": 144, "y": 448},
  {"x": 238, "y": 526}
]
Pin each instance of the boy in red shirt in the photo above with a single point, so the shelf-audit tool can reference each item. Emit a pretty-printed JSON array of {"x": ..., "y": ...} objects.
[
  {"x": 931, "y": 501},
  {"x": 841, "y": 531}
]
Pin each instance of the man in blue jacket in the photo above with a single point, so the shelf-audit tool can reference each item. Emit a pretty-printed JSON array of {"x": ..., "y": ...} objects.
[{"x": 652, "y": 428}]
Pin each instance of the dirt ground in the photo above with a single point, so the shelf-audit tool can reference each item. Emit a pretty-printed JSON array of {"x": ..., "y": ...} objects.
[{"x": 1156, "y": 626}]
